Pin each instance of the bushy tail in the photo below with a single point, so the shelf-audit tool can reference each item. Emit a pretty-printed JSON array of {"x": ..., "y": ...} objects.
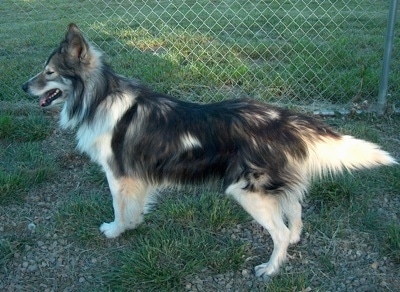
[{"x": 333, "y": 155}]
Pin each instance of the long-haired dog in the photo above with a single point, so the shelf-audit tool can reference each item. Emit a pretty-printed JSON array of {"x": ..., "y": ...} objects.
[{"x": 264, "y": 156}]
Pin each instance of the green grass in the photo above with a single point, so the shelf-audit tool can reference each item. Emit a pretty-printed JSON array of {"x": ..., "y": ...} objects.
[
  {"x": 179, "y": 240},
  {"x": 392, "y": 241},
  {"x": 23, "y": 124},
  {"x": 332, "y": 192},
  {"x": 391, "y": 177},
  {"x": 164, "y": 257},
  {"x": 286, "y": 52},
  {"x": 22, "y": 166},
  {"x": 23, "y": 163},
  {"x": 82, "y": 215},
  {"x": 208, "y": 210},
  {"x": 276, "y": 51},
  {"x": 288, "y": 282},
  {"x": 343, "y": 203},
  {"x": 6, "y": 251},
  {"x": 10, "y": 246},
  {"x": 95, "y": 175}
]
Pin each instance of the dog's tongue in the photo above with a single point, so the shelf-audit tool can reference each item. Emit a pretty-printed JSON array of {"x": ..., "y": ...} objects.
[{"x": 43, "y": 101}]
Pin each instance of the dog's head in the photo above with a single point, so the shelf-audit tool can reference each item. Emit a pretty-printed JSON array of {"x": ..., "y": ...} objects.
[{"x": 65, "y": 67}]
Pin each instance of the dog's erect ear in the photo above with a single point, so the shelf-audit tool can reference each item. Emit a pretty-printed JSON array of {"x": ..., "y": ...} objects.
[{"x": 77, "y": 47}]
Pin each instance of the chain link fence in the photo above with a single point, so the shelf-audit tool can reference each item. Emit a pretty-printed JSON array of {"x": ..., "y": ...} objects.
[{"x": 318, "y": 54}]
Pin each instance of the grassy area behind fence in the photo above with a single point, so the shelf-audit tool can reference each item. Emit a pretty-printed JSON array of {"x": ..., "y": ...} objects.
[{"x": 292, "y": 53}]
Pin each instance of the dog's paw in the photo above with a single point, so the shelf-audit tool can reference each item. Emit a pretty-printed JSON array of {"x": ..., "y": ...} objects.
[
  {"x": 266, "y": 271},
  {"x": 294, "y": 238},
  {"x": 111, "y": 230}
]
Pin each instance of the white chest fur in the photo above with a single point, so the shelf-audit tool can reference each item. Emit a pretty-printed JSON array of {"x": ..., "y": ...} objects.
[{"x": 94, "y": 137}]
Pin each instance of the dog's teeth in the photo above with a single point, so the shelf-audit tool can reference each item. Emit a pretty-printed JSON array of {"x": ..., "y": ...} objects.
[{"x": 54, "y": 93}]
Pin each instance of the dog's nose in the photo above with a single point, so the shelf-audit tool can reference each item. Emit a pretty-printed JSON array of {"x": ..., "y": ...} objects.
[{"x": 25, "y": 86}]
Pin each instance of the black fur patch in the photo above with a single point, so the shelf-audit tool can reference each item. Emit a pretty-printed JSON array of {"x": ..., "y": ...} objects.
[
  {"x": 118, "y": 139},
  {"x": 233, "y": 146}
]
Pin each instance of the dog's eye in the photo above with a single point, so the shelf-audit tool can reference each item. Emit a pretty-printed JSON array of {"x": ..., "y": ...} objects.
[{"x": 49, "y": 73}]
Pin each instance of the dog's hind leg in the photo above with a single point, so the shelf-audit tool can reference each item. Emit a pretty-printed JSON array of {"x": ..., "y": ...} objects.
[
  {"x": 130, "y": 196},
  {"x": 293, "y": 214},
  {"x": 266, "y": 210}
]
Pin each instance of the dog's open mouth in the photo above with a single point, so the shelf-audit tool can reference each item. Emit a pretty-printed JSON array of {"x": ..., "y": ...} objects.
[{"x": 51, "y": 95}]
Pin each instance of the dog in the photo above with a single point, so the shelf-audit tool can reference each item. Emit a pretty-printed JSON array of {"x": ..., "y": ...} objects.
[{"x": 263, "y": 156}]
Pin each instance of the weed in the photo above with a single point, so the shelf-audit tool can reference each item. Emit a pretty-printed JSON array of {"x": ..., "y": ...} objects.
[
  {"x": 82, "y": 215},
  {"x": 6, "y": 251},
  {"x": 21, "y": 167},
  {"x": 333, "y": 192},
  {"x": 392, "y": 241},
  {"x": 209, "y": 209},
  {"x": 327, "y": 264},
  {"x": 288, "y": 282},
  {"x": 95, "y": 175},
  {"x": 8, "y": 247},
  {"x": 23, "y": 126}
]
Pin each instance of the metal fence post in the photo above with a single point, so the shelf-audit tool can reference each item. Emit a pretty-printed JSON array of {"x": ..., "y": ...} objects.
[{"x": 383, "y": 84}]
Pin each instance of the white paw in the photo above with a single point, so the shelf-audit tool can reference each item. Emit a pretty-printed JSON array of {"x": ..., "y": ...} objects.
[
  {"x": 265, "y": 271},
  {"x": 111, "y": 230}
]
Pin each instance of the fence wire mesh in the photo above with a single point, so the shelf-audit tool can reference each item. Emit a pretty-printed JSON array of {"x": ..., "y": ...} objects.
[{"x": 308, "y": 53}]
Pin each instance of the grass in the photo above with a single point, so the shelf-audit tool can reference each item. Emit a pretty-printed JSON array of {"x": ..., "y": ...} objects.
[
  {"x": 290, "y": 52},
  {"x": 22, "y": 167},
  {"x": 179, "y": 240},
  {"x": 70, "y": 216},
  {"x": 289, "y": 282},
  {"x": 166, "y": 256},
  {"x": 23, "y": 164},
  {"x": 188, "y": 232},
  {"x": 392, "y": 241},
  {"x": 282, "y": 52},
  {"x": 23, "y": 124},
  {"x": 208, "y": 210},
  {"x": 182, "y": 236},
  {"x": 344, "y": 202},
  {"x": 10, "y": 246}
]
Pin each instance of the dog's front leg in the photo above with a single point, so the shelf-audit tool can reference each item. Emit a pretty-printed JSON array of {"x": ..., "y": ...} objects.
[{"x": 129, "y": 198}]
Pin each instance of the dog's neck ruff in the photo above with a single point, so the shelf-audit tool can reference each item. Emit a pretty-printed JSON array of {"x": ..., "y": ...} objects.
[
  {"x": 75, "y": 111},
  {"x": 100, "y": 108}
]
